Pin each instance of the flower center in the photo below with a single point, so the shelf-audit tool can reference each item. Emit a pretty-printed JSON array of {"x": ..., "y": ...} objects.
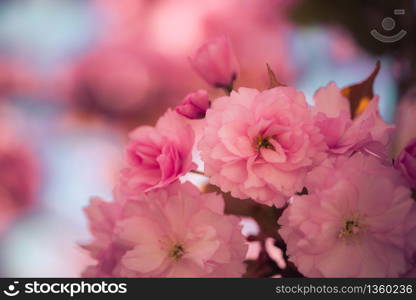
[
  {"x": 263, "y": 142},
  {"x": 351, "y": 228},
  {"x": 177, "y": 251}
]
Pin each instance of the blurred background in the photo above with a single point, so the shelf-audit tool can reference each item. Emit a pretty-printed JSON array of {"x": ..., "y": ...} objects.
[{"x": 77, "y": 75}]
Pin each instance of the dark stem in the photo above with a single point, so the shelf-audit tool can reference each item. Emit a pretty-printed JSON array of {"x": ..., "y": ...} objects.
[{"x": 197, "y": 172}]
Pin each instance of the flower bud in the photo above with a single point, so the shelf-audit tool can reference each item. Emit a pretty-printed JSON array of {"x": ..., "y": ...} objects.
[
  {"x": 216, "y": 63},
  {"x": 194, "y": 105}
]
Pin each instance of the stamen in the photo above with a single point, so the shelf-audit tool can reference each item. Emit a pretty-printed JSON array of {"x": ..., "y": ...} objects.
[
  {"x": 263, "y": 142},
  {"x": 177, "y": 252},
  {"x": 351, "y": 228}
]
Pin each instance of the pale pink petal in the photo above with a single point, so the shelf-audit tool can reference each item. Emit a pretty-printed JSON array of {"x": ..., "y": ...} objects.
[
  {"x": 330, "y": 101},
  {"x": 144, "y": 258}
]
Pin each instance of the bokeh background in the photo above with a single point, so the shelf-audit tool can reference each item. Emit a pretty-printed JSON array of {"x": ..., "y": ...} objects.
[{"x": 77, "y": 75}]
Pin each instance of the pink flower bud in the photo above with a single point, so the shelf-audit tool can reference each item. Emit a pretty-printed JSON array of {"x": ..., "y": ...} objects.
[
  {"x": 194, "y": 105},
  {"x": 406, "y": 162},
  {"x": 216, "y": 63}
]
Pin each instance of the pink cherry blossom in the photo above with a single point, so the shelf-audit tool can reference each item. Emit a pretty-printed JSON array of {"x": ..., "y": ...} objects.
[
  {"x": 356, "y": 224},
  {"x": 195, "y": 105},
  {"x": 366, "y": 132},
  {"x": 216, "y": 63},
  {"x": 260, "y": 145},
  {"x": 19, "y": 176},
  {"x": 406, "y": 162},
  {"x": 102, "y": 217},
  {"x": 158, "y": 156},
  {"x": 171, "y": 232},
  {"x": 405, "y": 120}
]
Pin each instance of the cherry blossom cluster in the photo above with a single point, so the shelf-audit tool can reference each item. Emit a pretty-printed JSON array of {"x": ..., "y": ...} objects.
[{"x": 346, "y": 207}]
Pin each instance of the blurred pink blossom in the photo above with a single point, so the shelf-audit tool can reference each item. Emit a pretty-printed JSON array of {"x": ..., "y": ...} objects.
[
  {"x": 405, "y": 120},
  {"x": 171, "y": 232},
  {"x": 15, "y": 78},
  {"x": 406, "y": 162},
  {"x": 261, "y": 145},
  {"x": 158, "y": 156},
  {"x": 119, "y": 81},
  {"x": 134, "y": 66},
  {"x": 216, "y": 63},
  {"x": 194, "y": 105},
  {"x": 355, "y": 224},
  {"x": 18, "y": 177},
  {"x": 342, "y": 46}
]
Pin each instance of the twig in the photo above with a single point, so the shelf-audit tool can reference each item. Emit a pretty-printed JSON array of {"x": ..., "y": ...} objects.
[{"x": 197, "y": 172}]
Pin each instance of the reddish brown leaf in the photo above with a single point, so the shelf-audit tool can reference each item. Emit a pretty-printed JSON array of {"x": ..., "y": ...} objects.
[
  {"x": 360, "y": 94},
  {"x": 273, "y": 82}
]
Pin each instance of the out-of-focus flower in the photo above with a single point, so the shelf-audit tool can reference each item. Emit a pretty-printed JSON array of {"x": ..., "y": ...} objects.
[
  {"x": 118, "y": 81},
  {"x": 123, "y": 79},
  {"x": 260, "y": 145},
  {"x": 367, "y": 132},
  {"x": 159, "y": 155},
  {"x": 195, "y": 105},
  {"x": 354, "y": 224},
  {"x": 406, "y": 162},
  {"x": 172, "y": 232},
  {"x": 405, "y": 120},
  {"x": 216, "y": 63},
  {"x": 342, "y": 46},
  {"x": 18, "y": 177},
  {"x": 15, "y": 79}
]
